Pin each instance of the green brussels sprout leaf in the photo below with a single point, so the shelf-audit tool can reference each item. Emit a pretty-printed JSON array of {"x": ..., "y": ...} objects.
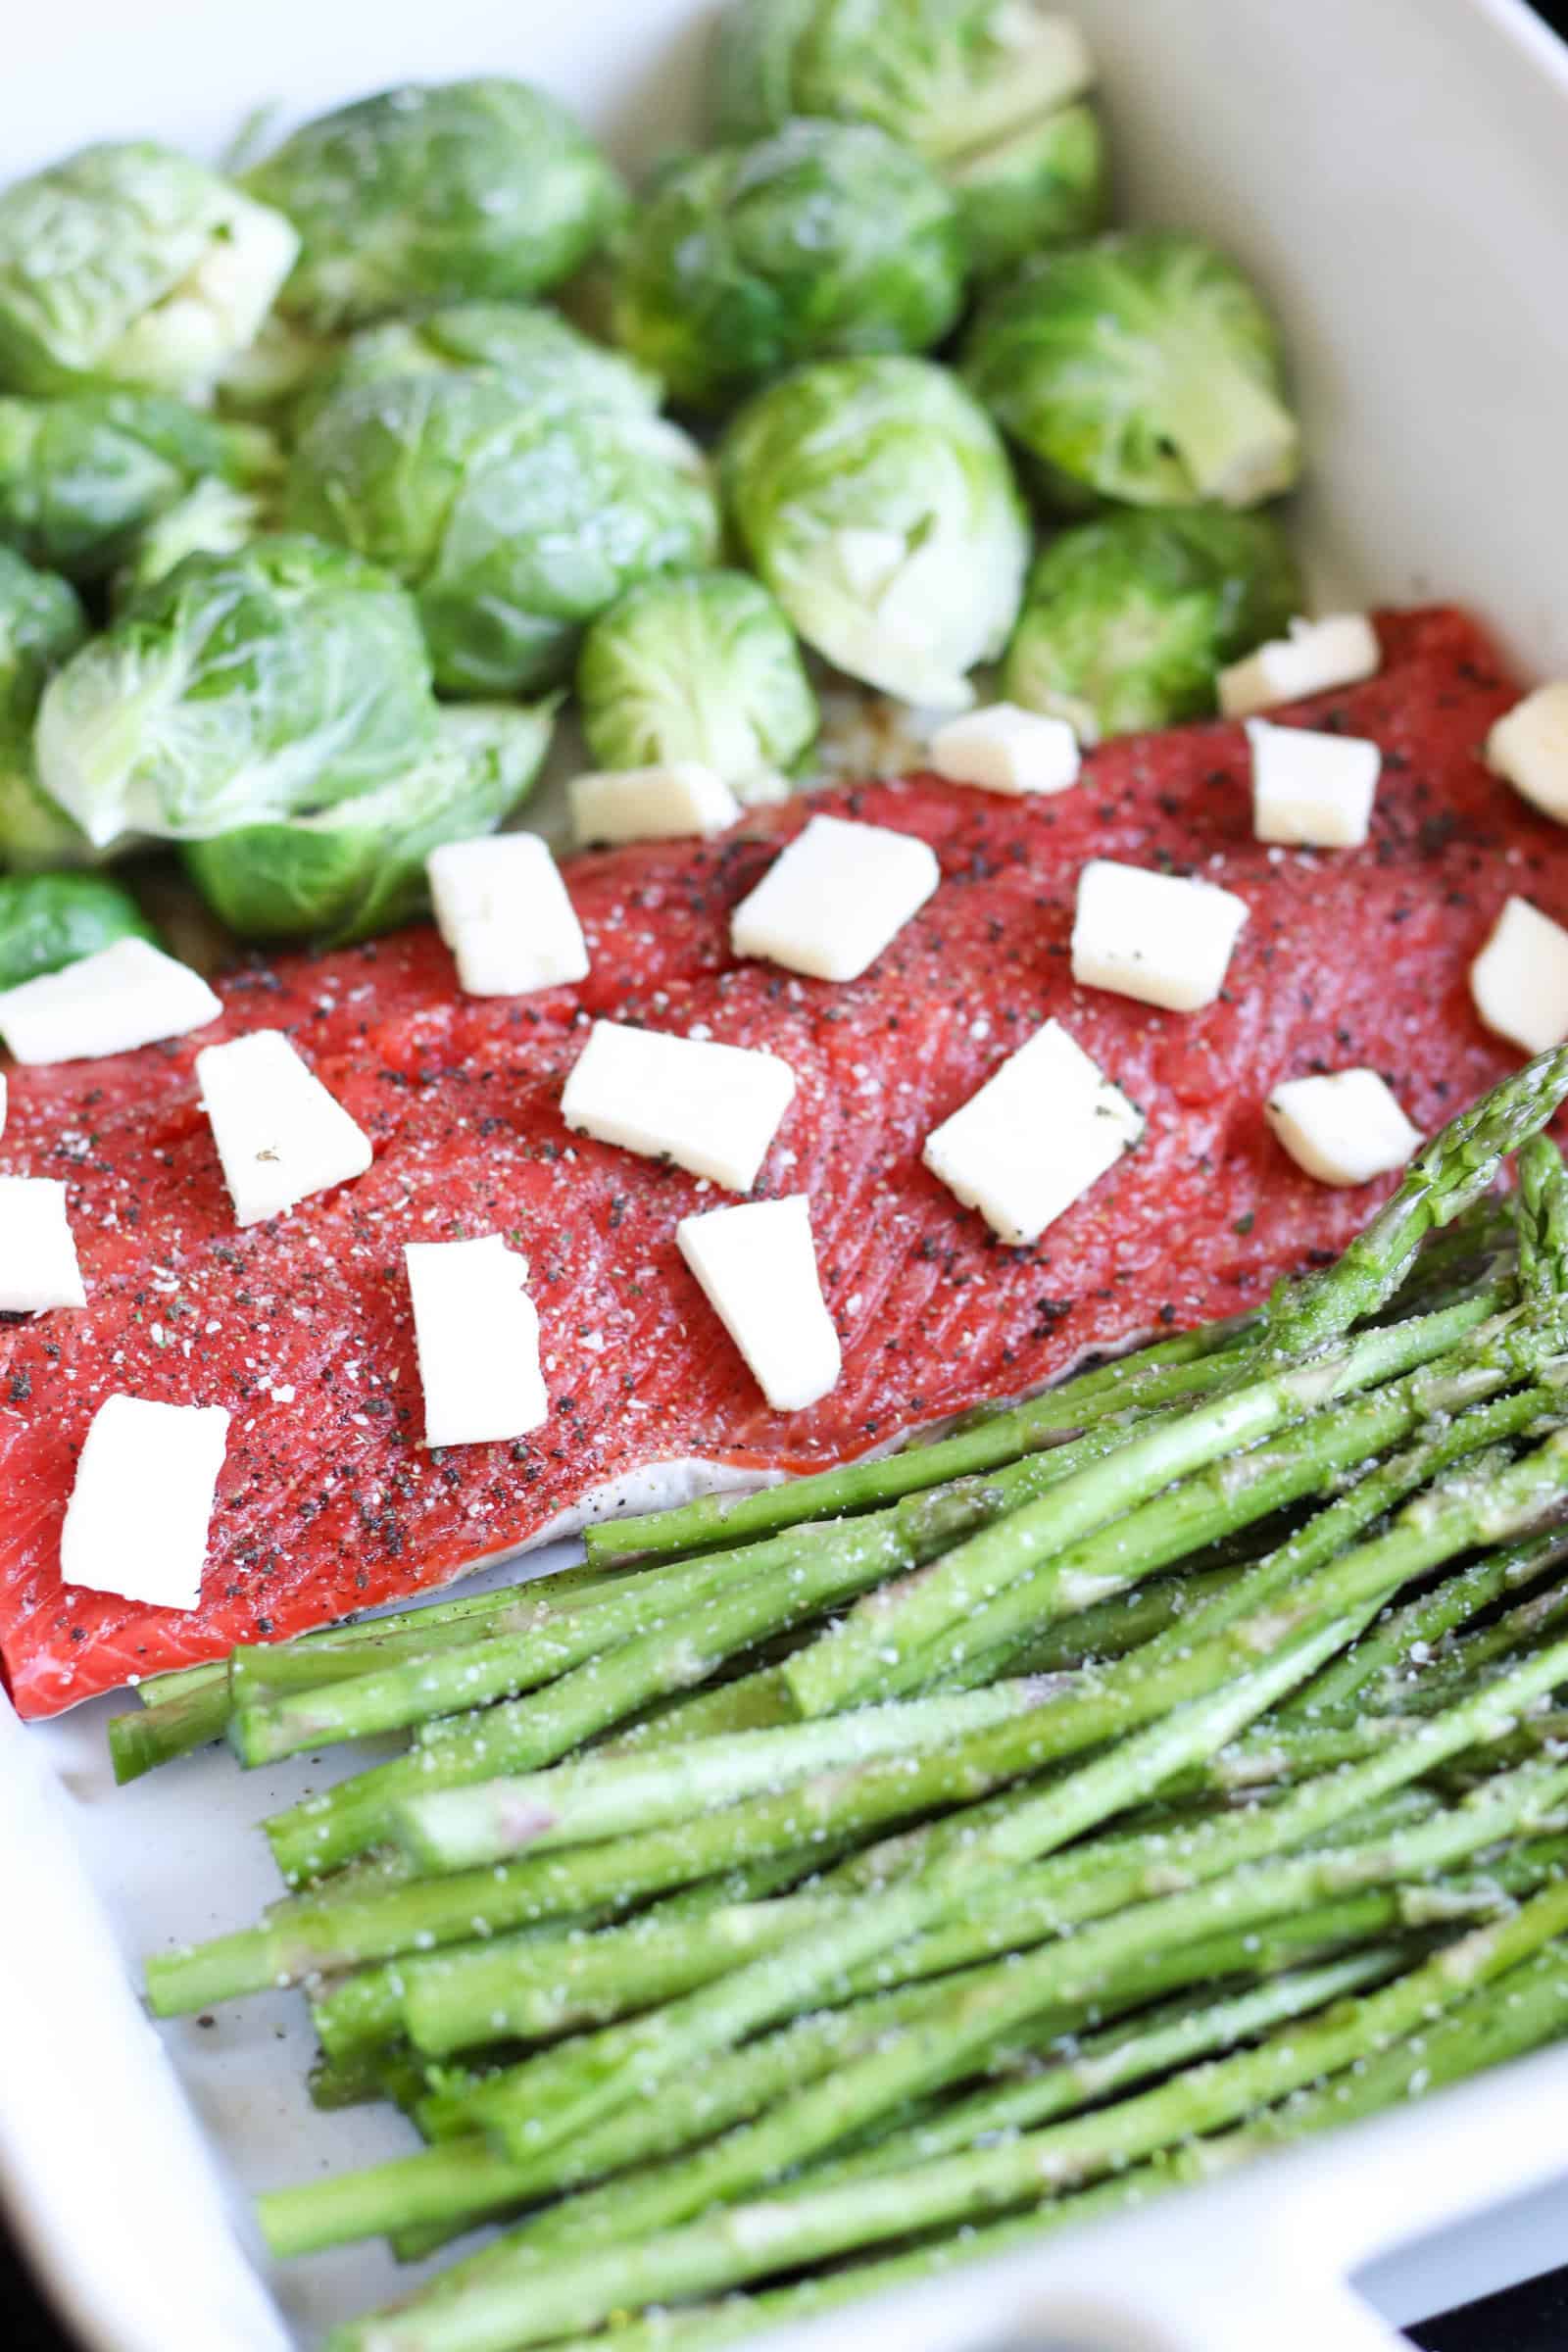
[
  {"x": 1144, "y": 367},
  {"x": 1044, "y": 185},
  {"x": 283, "y": 678},
  {"x": 131, "y": 265},
  {"x": 944, "y": 75},
  {"x": 696, "y": 666},
  {"x": 1127, "y": 621},
  {"x": 549, "y": 364},
  {"x": 82, "y": 479},
  {"x": 41, "y": 624},
  {"x": 485, "y": 189},
  {"x": 50, "y": 920},
  {"x": 823, "y": 238},
  {"x": 876, "y": 501},
  {"x": 510, "y": 529},
  {"x": 358, "y": 868},
  {"x": 211, "y": 519}
]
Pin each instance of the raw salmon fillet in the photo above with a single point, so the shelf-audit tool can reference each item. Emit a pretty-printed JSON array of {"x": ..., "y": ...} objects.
[{"x": 329, "y": 1502}]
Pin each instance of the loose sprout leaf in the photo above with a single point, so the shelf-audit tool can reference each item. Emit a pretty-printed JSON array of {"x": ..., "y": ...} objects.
[
  {"x": 211, "y": 519},
  {"x": 50, "y": 920}
]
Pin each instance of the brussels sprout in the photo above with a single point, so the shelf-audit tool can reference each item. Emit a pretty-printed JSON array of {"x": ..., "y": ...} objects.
[
  {"x": 875, "y": 498},
  {"x": 551, "y": 367},
  {"x": 359, "y": 868},
  {"x": 41, "y": 624},
  {"x": 483, "y": 188},
  {"x": 696, "y": 666},
  {"x": 212, "y": 520},
  {"x": 826, "y": 237},
  {"x": 1143, "y": 366},
  {"x": 132, "y": 265},
  {"x": 50, "y": 920},
  {"x": 944, "y": 75},
  {"x": 285, "y": 678},
  {"x": 512, "y": 530},
  {"x": 81, "y": 478},
  {"x": 1043, "y": 185},
  {"x": 1127, "y": 621}
]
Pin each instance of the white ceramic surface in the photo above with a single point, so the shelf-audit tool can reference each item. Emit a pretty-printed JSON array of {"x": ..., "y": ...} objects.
[{"x": 1398, "y": 173}]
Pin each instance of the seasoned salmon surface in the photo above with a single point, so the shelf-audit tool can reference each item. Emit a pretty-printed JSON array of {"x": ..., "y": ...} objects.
[{"x": 329, "y": 1502}]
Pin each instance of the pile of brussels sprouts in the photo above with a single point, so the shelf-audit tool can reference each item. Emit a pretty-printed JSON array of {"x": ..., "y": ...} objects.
[{"x": 312, "y": 508}]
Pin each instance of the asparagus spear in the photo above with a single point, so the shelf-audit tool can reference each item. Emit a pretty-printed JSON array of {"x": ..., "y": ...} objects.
[
  {"x": 152, "y": 1689},
  {"x": 555, "y": 2096},
  {"x": 904, "y": 1617},
  {"x": 1543, "y": 1220},
  {"x": 599, "y": 2072},
  {"x": 1422, "y": 1623},
  {"x": 1512, "y": 2013},
  {"x": 576, "y": 1804},
  {"x": 542, "y": 2298},
  {"x": 540, "y": 1606},
  {"x": 1090, "y": 2069},
  {"x": 336, "y": 1935},
  {"x": 1517, "y": 2013},
  {"x": 1167, "y": 1372},
  {"x": 758, "y": 1592},
  {"x": 190, "y": 1707},
  {"x": 483, "y": 1824},
  {"x": 1109, "y": 1629},
  {"x": 1470, "y": 1659},
  {"x": 371, "y": 1874},
  {"x": 946, "y": 2042},
  {"x": 456, "y": 1999},
  {"x": 449, "y": 2189},
  {"x": 459, "y": 2180},
  {"x": 387, "y": 1693},
  {"x": 1215, "y": 1643},
  {"x": 1306, "y": 1460},
  {"x": 146, "y": 1736}
]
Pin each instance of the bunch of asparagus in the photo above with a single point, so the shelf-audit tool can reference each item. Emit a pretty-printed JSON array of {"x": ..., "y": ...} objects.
[{"x": 896, "y": 1865}]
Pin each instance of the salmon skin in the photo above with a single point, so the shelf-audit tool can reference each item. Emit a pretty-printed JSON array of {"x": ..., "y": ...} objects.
[{"x": 329, "y": 1502}]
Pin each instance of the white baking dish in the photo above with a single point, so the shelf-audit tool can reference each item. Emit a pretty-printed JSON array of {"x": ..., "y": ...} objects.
[{"x": 1396, "y": 171}]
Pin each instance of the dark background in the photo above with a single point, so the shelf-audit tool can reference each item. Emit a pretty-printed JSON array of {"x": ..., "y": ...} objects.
[{"x": 1526, "y": 2318}]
